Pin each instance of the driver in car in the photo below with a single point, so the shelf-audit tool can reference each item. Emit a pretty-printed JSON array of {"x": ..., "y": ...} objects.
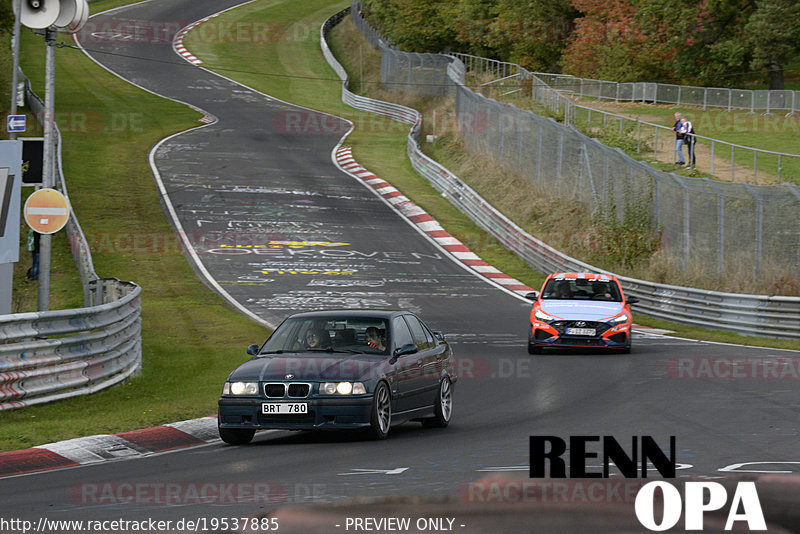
[
  {"x": 601, "y": 292},
  {"x": 315, "y": 338}
]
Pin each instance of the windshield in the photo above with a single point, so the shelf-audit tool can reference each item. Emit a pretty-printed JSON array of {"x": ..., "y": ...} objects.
[
  {"x": 366, "y": 335},
  {"x": 582, "y": 289}
]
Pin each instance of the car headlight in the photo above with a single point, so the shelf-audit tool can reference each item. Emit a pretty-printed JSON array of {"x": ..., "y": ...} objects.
[
  {"x": 543, "y": 316},
  {"x": 342, "y": 388},
  {"x": 240, "y": 388},
  {"x": 618, "y": 319}
]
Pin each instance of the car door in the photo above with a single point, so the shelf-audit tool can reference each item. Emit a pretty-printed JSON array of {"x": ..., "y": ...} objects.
[
  {"x": 406, "y": 368},
  {"x": 425, "y": 379}
]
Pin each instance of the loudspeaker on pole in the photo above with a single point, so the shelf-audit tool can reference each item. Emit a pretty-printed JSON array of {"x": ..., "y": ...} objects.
[
  {"x": 66, "y": 15},
  {"x": 38, "y": 14},
  {"x": 73, "y": 14}
]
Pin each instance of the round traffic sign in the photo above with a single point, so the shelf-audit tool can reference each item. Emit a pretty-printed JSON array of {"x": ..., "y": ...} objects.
[{"x": 46, "y": 211}]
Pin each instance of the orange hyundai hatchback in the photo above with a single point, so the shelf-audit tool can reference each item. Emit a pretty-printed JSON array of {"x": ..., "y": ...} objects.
[{"x": 580, "y": 310}]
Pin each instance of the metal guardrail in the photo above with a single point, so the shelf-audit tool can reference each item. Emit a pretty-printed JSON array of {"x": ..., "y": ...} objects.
[
  {"x": 53, "y": 355},
  {"x": 746, "y": 314},
  {"x": 48, "y": 356}
]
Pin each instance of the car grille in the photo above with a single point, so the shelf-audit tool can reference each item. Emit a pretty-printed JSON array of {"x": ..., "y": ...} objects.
[
  {"x": 562, "y": 326},
  {"x": 275, "y": 390},
  {"x": 299, "y": 390},
  {"x": 582, "y": 341},
  {"x": 278, "y": 390}
]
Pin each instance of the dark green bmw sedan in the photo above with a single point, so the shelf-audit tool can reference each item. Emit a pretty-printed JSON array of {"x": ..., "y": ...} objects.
[{"x": 341, "y": 369}]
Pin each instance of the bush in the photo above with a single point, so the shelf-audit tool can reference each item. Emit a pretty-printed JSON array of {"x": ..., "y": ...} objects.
[{"x": 632, "y": 237}]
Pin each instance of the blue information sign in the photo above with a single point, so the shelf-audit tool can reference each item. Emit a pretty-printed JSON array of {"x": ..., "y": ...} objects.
[{"x": 15, "y": 123}]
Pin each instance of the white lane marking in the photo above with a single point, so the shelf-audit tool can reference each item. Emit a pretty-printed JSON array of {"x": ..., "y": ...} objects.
[
  {"x": 508, "y": 468},
  {"x": 395, "y": 471},
  {"x": 735, "y": 468}
]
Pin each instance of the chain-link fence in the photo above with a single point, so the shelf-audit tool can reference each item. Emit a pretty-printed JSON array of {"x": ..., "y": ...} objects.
[
  {"x": 735, "y": 228},
  {"x": 713, "y": 156},
  {"x": 681, "y": 95}
]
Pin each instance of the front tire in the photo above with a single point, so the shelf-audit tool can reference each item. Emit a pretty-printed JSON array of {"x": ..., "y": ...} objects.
[
  {"x": 444, "y": 406},
  {"x": 236, "y": 436},
  {"x": 381, "y": 418},
  {"x": 533, "y": 349},
  {"x": 627, "y": 348}
]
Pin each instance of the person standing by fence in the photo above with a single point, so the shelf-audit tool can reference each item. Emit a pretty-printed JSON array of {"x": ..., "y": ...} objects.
[
  {"x": 679, "y": 138},
  {"x": 688, "y": 139}
]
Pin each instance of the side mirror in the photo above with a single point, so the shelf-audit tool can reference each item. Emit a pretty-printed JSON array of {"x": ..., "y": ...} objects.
[
  {"x": 252, "y": 350},
  {"x": 632, "y": 300},
  {"x": 533, "y": 295},
  {"x": 408, "y": 348},
  {"x": 438, "y": 335}
]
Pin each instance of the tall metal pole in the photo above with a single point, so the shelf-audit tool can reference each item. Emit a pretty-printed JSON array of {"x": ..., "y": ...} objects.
[
  {"x": 15, "y": 73},
  {"x": 48, "y": 163}
]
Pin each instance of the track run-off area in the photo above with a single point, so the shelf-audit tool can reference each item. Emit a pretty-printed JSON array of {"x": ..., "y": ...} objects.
[{"x": 275, "y": 226}]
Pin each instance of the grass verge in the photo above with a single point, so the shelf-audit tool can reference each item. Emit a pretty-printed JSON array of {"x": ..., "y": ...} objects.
[{"x": 191, "y": 338}]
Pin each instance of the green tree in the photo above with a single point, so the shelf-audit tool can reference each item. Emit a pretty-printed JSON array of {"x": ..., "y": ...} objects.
[
  {"x": 414, "y": 25},
  {"x": 532, "y": 33},
  {"x": 773, "y": 31},
  {"x": 6, "y": 16},
  {"x": 473, "y": 24},
  {"x": 702, "y": 43}
]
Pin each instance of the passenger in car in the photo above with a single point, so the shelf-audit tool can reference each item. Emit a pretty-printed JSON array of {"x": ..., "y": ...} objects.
[
  {"x": 563, "y": 291},
  {"x": 374, "y": 338}
]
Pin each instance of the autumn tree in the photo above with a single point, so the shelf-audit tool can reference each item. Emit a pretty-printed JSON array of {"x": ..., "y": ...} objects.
[
  {"x": 610, "y": 43},
  {"x": 708, "y": 42}
]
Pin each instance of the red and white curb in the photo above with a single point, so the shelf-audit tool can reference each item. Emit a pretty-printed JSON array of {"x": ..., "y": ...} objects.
[
  {"x": 106, "y": 447},
  {"x": 177, "y": 42},
  {"x": 426, "y": 223}
]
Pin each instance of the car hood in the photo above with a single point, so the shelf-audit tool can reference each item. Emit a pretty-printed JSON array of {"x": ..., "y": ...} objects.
[
  {"x": 311, "y": 366},
  {"x": 581, "y": 310}
]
